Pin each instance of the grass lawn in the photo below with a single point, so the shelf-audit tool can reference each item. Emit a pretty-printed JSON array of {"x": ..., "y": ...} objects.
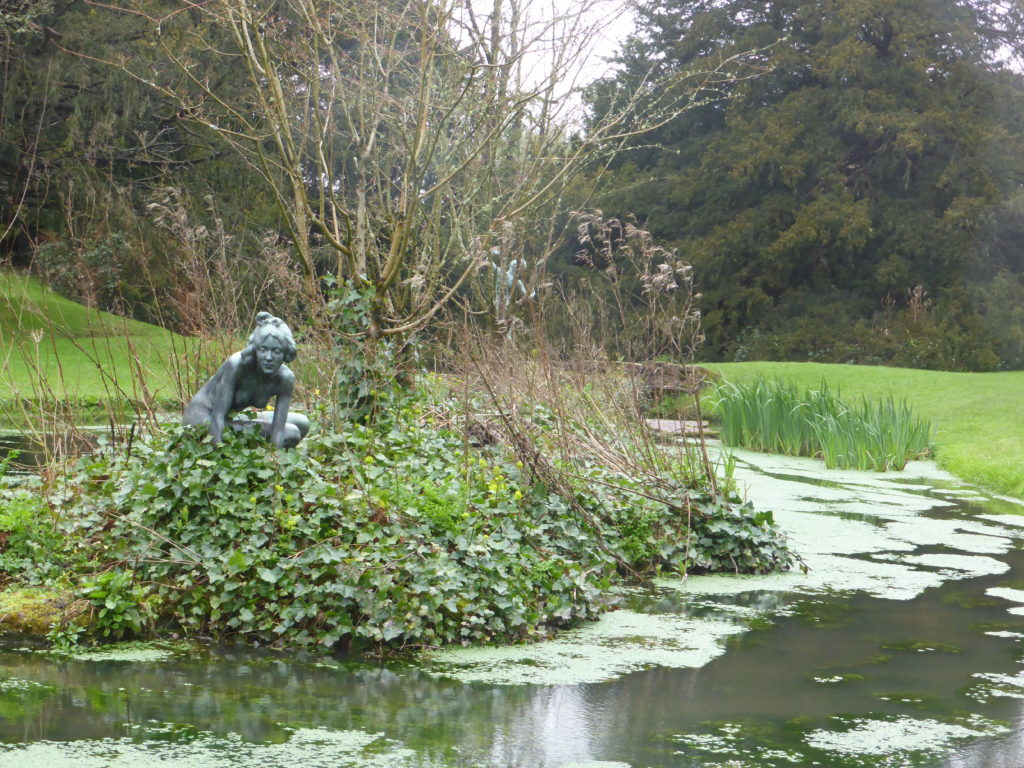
[
  {"x": 52, "y": 349},
  {"x": 977, "y": 418}
]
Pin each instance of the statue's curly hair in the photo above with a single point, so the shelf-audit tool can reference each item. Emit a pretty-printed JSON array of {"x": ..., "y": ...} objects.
[{"x": 268, "y": 325}]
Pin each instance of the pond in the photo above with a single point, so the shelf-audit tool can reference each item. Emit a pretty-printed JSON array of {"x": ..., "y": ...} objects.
[
  {"x": 31, "y": 452},
  {"x": 902, "y": 646}
]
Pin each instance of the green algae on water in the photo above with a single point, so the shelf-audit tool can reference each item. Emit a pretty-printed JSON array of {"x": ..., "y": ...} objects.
[
  {"x": 17, "y": 685},
  {"x": 921, "y": 646},
  {"x": 896, "y": 736},
  {"x": 847, "y": 677},
  {"x": 310, "y": 748},
  {"x": 128, "y": 652},
  {"x": 733, "y": 741},
  {"x": 1007, "y": 593},
  {"x": 616, "y": 644},
  {"x": 992, "y": 685}
]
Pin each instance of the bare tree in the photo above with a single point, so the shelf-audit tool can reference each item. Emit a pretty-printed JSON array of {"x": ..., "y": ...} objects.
[{"x": 404, "y": 141}]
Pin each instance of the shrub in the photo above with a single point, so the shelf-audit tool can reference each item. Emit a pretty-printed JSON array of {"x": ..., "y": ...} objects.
[
  {"x": 31, "y": 547},
  {"x": 121, "y": 606},
  {"x": 355, "y": 538}
]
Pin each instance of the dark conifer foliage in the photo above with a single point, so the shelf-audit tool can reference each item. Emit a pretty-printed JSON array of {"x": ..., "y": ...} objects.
[
  {"x": 862, "y": 200},
  {"x": 88, "y": 154}
]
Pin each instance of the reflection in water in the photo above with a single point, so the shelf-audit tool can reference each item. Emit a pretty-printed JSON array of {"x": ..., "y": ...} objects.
[
  {"x": 807, "y": 664},
  {"x": 34, "y": 452},
  {"x": 561, "y": 725}
]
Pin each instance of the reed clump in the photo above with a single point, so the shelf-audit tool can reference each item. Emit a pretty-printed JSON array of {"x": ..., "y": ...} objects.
[{"x": 774, "y": 416}]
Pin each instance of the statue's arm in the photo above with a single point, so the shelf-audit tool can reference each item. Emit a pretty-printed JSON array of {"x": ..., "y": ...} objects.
[
  {"x": 223, "y": 397},
  {"x": 281, "y": 406}
]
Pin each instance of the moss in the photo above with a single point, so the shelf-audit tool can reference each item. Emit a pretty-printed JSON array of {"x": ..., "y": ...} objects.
[{"x": 32, "y": 610}]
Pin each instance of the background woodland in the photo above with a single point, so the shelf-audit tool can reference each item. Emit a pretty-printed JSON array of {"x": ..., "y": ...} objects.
[{"x": 838, "y": 181}]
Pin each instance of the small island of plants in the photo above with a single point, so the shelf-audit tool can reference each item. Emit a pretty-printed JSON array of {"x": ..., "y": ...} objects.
[{"x": 452, "y": 512}]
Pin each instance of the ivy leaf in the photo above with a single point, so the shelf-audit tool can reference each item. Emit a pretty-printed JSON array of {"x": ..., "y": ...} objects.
[
  {"x": 268, "y": 574},
  {"x": 237, "y": 561}
]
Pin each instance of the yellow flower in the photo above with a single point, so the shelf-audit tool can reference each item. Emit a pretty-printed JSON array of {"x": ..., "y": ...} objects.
[
  {"x": 279, "y": 488},
  {"x": 268, "y": 407}
]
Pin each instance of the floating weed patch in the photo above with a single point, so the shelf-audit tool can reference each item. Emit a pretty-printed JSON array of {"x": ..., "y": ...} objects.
[
  {"x": 848, "y": 677},
  {"x": 618, "y": 643},
  {"x": 138, "y": 654},
  {"x": 994, "y": 685},
  {"x": 1008, "y": 593},
  {"x": 964, "y": 535},
  {"x": 959, "y": 566},
  {"x": 17, "y": 685},
  {"x": 919, "y": 701},
  {"x": 736, "y": 743},
  {"x": 831, "y": 574},
  {"x": 903, "y": 736},
  {"x": 1014, "y": 518},
  {"x": 311, "y": 748},
  {"x": 127, "y": 651},
  {"x": 892, "y": 527},
  {"x": 921, "y": 646}
]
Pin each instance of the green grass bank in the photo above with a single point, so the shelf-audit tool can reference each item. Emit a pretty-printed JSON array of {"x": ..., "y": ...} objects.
[
  {"x": 978, "y": 418},
  {"x": 52, "y": 349}
]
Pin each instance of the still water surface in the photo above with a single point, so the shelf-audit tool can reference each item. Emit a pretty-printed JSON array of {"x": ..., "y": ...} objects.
[{"x": 901, "y": 647}]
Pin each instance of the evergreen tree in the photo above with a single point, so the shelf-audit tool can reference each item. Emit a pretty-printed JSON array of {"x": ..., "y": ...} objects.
[
  {"x": 858, "y": 200},
  {"x": 89, "y": 157}
]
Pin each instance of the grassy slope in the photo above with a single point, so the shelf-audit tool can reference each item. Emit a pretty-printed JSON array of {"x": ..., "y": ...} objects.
[
  {"x": 81, "y": 354},
  {"x": 978, "y": 418},
  {"x": 84, "y": 355}
]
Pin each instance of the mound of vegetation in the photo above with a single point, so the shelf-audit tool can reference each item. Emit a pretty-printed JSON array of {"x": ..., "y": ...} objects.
[{"x": 404, "y": 532}]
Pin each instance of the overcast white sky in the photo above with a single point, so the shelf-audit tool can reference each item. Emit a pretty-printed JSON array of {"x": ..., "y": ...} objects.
[{"x": 595, "y": 27}]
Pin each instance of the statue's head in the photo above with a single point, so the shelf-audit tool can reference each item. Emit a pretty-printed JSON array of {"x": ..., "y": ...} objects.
[{"x": 271, "y": 342}]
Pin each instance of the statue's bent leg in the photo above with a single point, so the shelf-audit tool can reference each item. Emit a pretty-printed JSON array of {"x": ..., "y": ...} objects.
[
  {"x": 294, "y": 430},
  {"x": 300, "y": 421}
]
